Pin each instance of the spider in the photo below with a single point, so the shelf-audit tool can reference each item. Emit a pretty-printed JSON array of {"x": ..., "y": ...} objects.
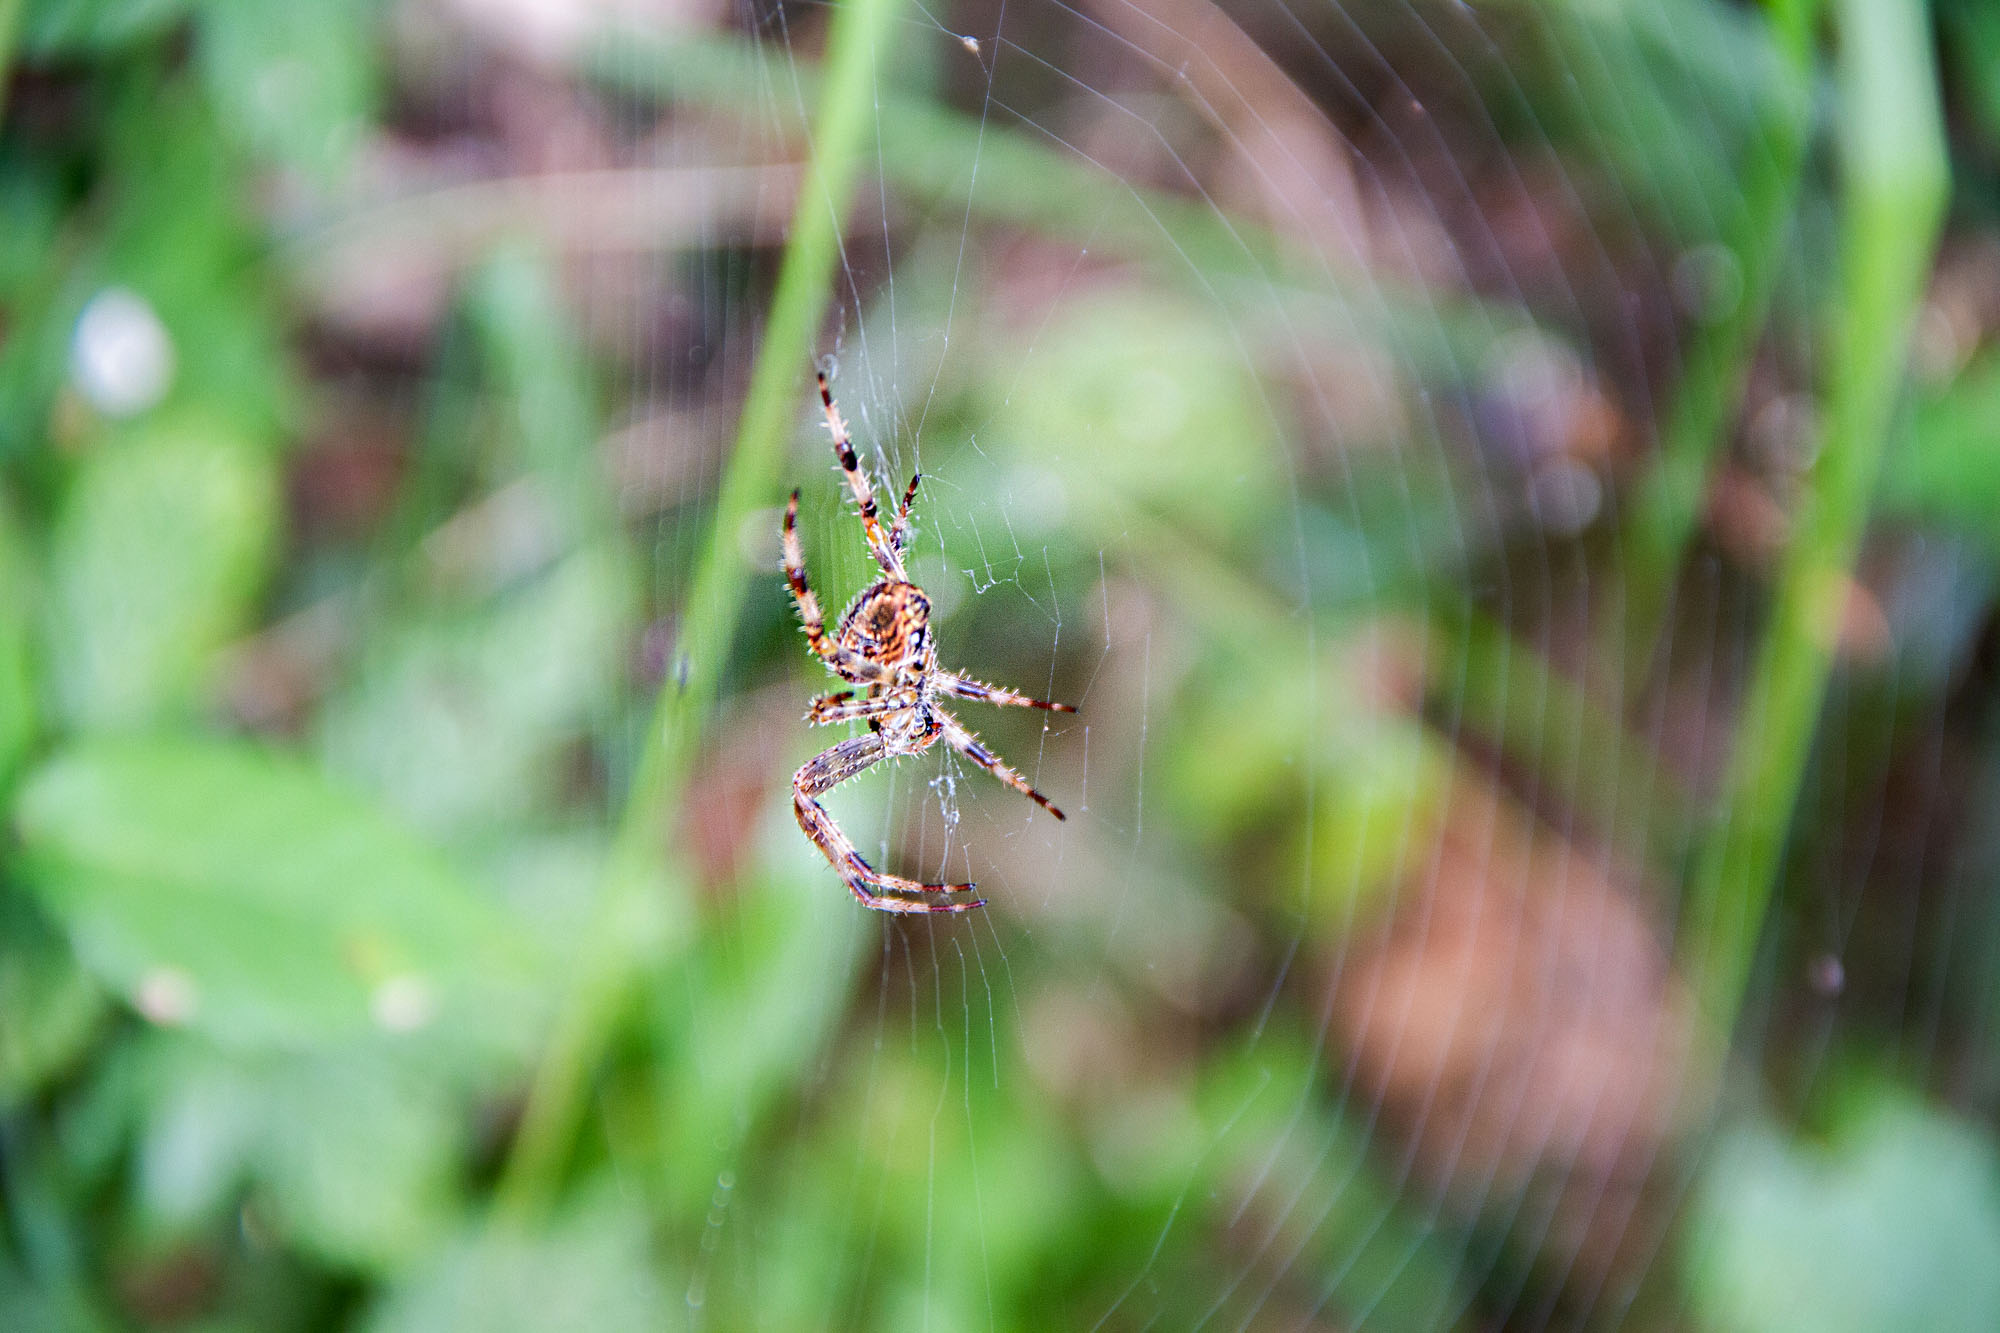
[{"x": 884, "y": 644}]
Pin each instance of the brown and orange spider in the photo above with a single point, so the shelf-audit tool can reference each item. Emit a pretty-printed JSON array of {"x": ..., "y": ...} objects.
[{"x": 884, "y": 645}]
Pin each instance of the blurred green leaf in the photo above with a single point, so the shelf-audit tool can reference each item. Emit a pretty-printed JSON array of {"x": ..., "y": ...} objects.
[
  {"x": 153, "y": 206},
  {"x": 355, "y": 1153},
  {"x": 1379, "y": 807},
  {"x": 179, "y": 230},
  {"x": 297, "y": 79},
  {"x": 1693, "y": 84},
  {"x": 1265, "y": 735},
  {"x": 1895, "y": 1223},
  {"x": 159, "y": 552},
  {"x": 1243, "y": 758},
  {"x": 31, "y": 200},
  {"x": 537, "y": 363},
  {"x": 362, "y": 1157},
  {"x": 199, "y": 1129},
  {"x": 1971, "y": 31},
  {"x": 1947, "y": 465},
  {"x": 755, "y": 1005},
  {"x": 977, "y": 1197},
  {"x": 233, "y": 889},
  {"x": 1283, "y": 1162},
  {"x": 467, "y": 697},
  {"x": 20, "y": 706},
  {"x": 1134, "y": 399},
  {"x": 68, "y": 28},
  {"x": 51, "y": 1005},
  {"x": 23, "y": 1305},
  {"x": 458, "y": 718},
  {"x": 167, "y": 230},
  {"x": 592, "y": 1270}
]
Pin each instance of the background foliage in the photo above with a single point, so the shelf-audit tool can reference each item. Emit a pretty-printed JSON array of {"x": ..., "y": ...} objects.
[{"x": 1512, "y": 487}]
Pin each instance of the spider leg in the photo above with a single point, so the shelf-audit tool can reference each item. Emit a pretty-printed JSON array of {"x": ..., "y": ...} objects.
[
  {"x": 967, "y": 744},
  {"x": 844, "y": 707},
  {"x": 802, "y": 593},
  {"x": 827, "y": 702},
  {"x": 965, "y": 687},
  {"x": 899, "y": 531},
  {"x": 857, "y": 481},
  {"x": 842, "y": 662},
  {"x": 871, "y": 886}
]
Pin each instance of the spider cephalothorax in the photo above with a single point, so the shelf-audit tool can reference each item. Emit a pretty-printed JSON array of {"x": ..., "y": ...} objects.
[{"x": 884, "y": 644}]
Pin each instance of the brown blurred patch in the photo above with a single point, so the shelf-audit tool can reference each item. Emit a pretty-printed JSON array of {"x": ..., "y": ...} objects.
[
  {"x": 1747, "y": 520},
  {"x": 1520, "y": 1024},
  {"x": 383, "y": 272},
  {"x": 1281, "y": 156},
  {"x": 731, "y": 787},
  {"x": 345, "y": 479},
  {"x": 1961, "y": 311},
  {"x": 274, "y": 679},
  {"x": 169, "y": 1287}
]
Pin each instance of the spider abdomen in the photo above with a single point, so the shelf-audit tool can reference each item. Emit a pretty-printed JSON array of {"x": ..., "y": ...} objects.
[{"x": 889, "y": 624}]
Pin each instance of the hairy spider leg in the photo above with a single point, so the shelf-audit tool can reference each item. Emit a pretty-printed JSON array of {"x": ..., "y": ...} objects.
[
  {"x": 965, "y": 687},
  {"x": 827, "y": 701},
  {"x": 842, "y": 661},
  {"x": 827, "y": 770},
  {"x": 899, "y": 531},
  {"x": 857, "y": 481},
  {"x": 967, "y": 744},
  {"x": 844, "y": 707}
]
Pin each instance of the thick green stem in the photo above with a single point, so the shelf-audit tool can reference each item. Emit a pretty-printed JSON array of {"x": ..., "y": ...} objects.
[
  {"x": 1894, "y": 181},
  {"x": 641, "y": 919},
  {"x": 1668, "y": 503}
]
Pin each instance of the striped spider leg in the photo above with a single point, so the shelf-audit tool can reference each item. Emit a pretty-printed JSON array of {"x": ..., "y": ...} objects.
[{"x": 883, "y": 643}]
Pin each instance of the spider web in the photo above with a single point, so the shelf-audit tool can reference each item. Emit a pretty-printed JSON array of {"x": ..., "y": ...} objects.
[
  {"x": 1284, "y": 379},
  {"x": 1527, "y": 859}
]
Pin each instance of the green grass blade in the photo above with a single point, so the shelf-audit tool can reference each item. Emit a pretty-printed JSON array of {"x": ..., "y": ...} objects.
[
  {"x": 1894, "y": 183},
  {"x": 641, "y": 918},
  {"x": 1668, "y": 502}
]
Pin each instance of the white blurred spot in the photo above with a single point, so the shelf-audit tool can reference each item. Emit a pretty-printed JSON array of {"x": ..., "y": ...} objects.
[
  {"x": 1534, "y": 373},
  {"x": 121, "y": 357},
  {"x": 166, "y": 996},
  {"x": 1829, "y": 978},
  {"x": 558, "y": 31},
  {"x": 403, "y": 1003},
  {"x": 1566, "y": 496}
]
